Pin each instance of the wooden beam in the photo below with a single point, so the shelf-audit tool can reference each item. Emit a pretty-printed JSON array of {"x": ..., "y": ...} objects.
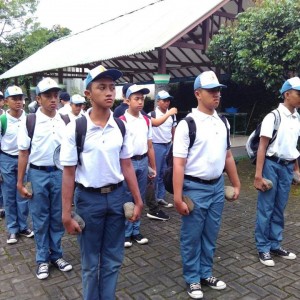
[
  {"x": 162, "y": 61},
  {"x": 187, "y": 45}
]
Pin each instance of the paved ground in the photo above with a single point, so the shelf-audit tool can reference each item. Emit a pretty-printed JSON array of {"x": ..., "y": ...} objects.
[{"x": 154, "y": 271}]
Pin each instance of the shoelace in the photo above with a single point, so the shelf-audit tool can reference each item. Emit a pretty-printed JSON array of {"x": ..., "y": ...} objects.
[
  {"x": 61, "y": 263},
  {"x": 195, "y": 286},
  {"x": 211, "y": 279},
  {"x": 266, "y": 255},
  {"x": 282, "y": 250},
  {"x": 43, "y": 268}
]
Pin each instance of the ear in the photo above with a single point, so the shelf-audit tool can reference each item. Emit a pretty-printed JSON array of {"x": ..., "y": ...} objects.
[
  {"x": 87, "y": 94},
  {"x": 38, "y": 99}
]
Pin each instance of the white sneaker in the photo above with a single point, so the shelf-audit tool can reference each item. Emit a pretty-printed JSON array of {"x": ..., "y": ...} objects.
[
  {"x": 194, "y": 290},
  {"x": 140, "y": 239},
  {"x": 128, "y": 242},
  {"x": 164, "y": 203},
  {"x": 284, "y": 253},
  {"x": 266, "y": 259}
]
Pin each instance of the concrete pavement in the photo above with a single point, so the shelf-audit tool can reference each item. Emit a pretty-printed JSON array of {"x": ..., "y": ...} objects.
[{"x": 154, "y": 271}]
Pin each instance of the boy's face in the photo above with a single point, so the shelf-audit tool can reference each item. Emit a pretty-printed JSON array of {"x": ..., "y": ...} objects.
[
  {"x": 163, "y": 104},
  {"x": 136, "y": 102},
  {"x": 102, "y": 92},
  {"x": 292, "y": 98},
  {"x": 209, "y": 98},
  {"x": 76, "y": 108},
  {"x": 15, "y": 102},
  {"x": 48, "y": 101}
]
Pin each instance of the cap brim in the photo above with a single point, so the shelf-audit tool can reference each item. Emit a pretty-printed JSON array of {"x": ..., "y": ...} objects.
[
  {"x": 50, "y": 89},
  {"x": 212, "y": 86},
  {"x": 166, "y": 98}
]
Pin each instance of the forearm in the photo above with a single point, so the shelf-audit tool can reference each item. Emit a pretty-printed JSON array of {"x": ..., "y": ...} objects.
[
  {"x": 68, "y": 182},
  {"x": 151, "y": 156},
  {"x": 178, "y": 177},
  {"x": 231, "y": 170},
  {"x": 22, "y": 165}
]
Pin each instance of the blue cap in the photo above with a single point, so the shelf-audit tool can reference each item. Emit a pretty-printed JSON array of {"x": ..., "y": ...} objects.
[
  {"x": 136, "y": 89},
  {"x": 207, "y": 80},
  {"x": 13, "y": 91},
  {"x": 64, "y": 96},
  {"x": 291, "y": 84},
  {"x": 102, "y": 72},
  {"x": 163, "y": 95}
]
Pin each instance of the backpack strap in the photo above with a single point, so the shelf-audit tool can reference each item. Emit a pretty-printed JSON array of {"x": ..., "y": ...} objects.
[
  {"x": 80, "y": 133},
  {"x": 3, "y": 119},
  {"x": 121, "y": 126},
  {"x": 30, "y": 125},
  {"x": 123, "y": 118},
  {"x": 153, "y": 114},
  {"x": 192, "y": 130},
  {"x": 65, "y": 118},
  {"x": 277, "y": 122},
  {"x": 223, "y": 118},
  {"x": 147, "y": 120}
]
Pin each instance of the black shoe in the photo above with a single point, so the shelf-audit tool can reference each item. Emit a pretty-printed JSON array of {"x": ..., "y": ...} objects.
[
  {"x": 2, "y": 213},
  {"x": 12, "y": 238},
  {"x": 266, "y": 259},
  {"x": 160, "y": 215},
  {"x": 62, "y": 265},
  {"x": 42, "y": 271},
  {"x": 140, "y": 239},
  {"x": 214, "y": 283},
  {"x": 128, "y": 242},
  {"x": 194, "y": 290},
  {"x": 27, "y": 232},
  {"x": 283, "y": 253}
]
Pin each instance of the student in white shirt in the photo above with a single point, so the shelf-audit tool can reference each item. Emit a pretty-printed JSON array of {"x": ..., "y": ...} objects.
[
  {"x": 162, "y": 137},
  {"x": 99, "y": 194},
  {"x": 198, "y": 174},
  {"x": 45, "y": 200},
  {"x": 64, "y": 98},
  {"x": 276, "y": 162},
  {"x": 76, "y": 103},
  {"x": 16, "y": 207}
]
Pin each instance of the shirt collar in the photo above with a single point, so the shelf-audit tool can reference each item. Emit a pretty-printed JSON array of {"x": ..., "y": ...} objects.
[
  {"x": 202, "y": 116},
  {"x": 286, "y": 112}
]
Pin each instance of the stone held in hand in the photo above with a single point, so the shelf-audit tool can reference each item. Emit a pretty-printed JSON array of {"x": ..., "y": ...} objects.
[
  {"x": 229, "y": 192},
  {"x": 128, "y": 209},
  {"x": 78, "y": 219},
  {"x": 189, "y": 202},
  {"x": 269, "y": 184}
]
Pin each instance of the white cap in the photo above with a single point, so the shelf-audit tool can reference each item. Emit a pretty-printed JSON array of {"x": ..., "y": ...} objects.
[
  {"x": 77, "y": 99},
  {"x": 13, "y": 91},
  {"x": 46, "y": 84}
]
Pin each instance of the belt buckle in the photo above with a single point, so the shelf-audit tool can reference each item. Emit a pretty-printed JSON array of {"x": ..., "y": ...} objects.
[{"x": 106, "y": 190}]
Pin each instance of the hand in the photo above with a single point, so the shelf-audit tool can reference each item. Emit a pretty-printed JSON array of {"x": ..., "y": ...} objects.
[
  {"x": 152, "y": 174},
  {"x": 260, "y": 184},
  {"x": 71, "y": 226},
  {"x": 172, "y": 111},
  {"x": 236, "y": 194},
  {"x": 137, "y": 212},
  {"x": 24, "y": 192},
  {"x": 181, "y": 207}
]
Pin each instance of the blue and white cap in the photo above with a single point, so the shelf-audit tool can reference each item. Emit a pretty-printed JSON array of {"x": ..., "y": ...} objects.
[
  {"x": 136, "y": 89},
  {"x": 77, "y": 99},
  {"x": 163, "y": 95},
  {"x": 45, "y": 85},
  {"x": 291, "y": 84},
  {"x": 13, "y": 91},
  {"x": 207, "y": 80},
  {"x": 101, "y": 72}
]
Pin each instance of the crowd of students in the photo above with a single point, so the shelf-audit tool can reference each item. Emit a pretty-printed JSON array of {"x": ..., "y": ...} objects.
[{"x": 106, "y": 164}]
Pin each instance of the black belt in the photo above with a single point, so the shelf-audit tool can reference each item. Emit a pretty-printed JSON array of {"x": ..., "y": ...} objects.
[
  {"x": 13, "y": 156},
  {"x": 196, "y": 179},
  {"x": 281, "y": 161},
  {"x": 102, "y": 190},
  {"x": 139, "y": 157},
  {"x": 44, "y": 168}
]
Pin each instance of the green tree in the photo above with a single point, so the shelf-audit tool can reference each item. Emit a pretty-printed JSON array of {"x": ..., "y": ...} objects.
[
  {"x": 262, "y": 45},
  {"x": 15, "y": 15}
]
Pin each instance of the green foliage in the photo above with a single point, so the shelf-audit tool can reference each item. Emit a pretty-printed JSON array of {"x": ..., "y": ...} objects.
[{"x": 262, "y": 45}]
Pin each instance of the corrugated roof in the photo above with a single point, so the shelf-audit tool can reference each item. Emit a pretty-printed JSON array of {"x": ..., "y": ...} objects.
[{"x": 143, "y": 30}]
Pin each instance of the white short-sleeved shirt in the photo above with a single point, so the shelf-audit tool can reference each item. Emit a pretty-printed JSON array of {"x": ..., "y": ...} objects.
[
  {"x": 206, "y": 158},
  {"x": 285, "y": 143},
  {"x": 47, "y": 136},
  {"x": 163, "y": 133},
  {"x": 139, "y": 132},
  {"x": 9, "y": 142},
  {"x": 73, "y": 117},
  {"x": 103, "y": 148},
  {"x": 65, "y": 109}
]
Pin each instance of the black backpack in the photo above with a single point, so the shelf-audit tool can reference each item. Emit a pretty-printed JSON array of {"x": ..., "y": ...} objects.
[
  {"x": 168, "y": 174},
  {"x": 254, "y": 138}
]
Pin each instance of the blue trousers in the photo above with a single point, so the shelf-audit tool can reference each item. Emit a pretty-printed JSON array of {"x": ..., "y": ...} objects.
[
  {"x": 271, "y": 205},
  {"x": 101, "y": 242},
  {"x": 141, "y": 171},
  {"x": 199, "y": 230},
  {"x": 161, "y": 151},
  {"x": 16, "y": 207},
  {"x": 46, "y": 210}
]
